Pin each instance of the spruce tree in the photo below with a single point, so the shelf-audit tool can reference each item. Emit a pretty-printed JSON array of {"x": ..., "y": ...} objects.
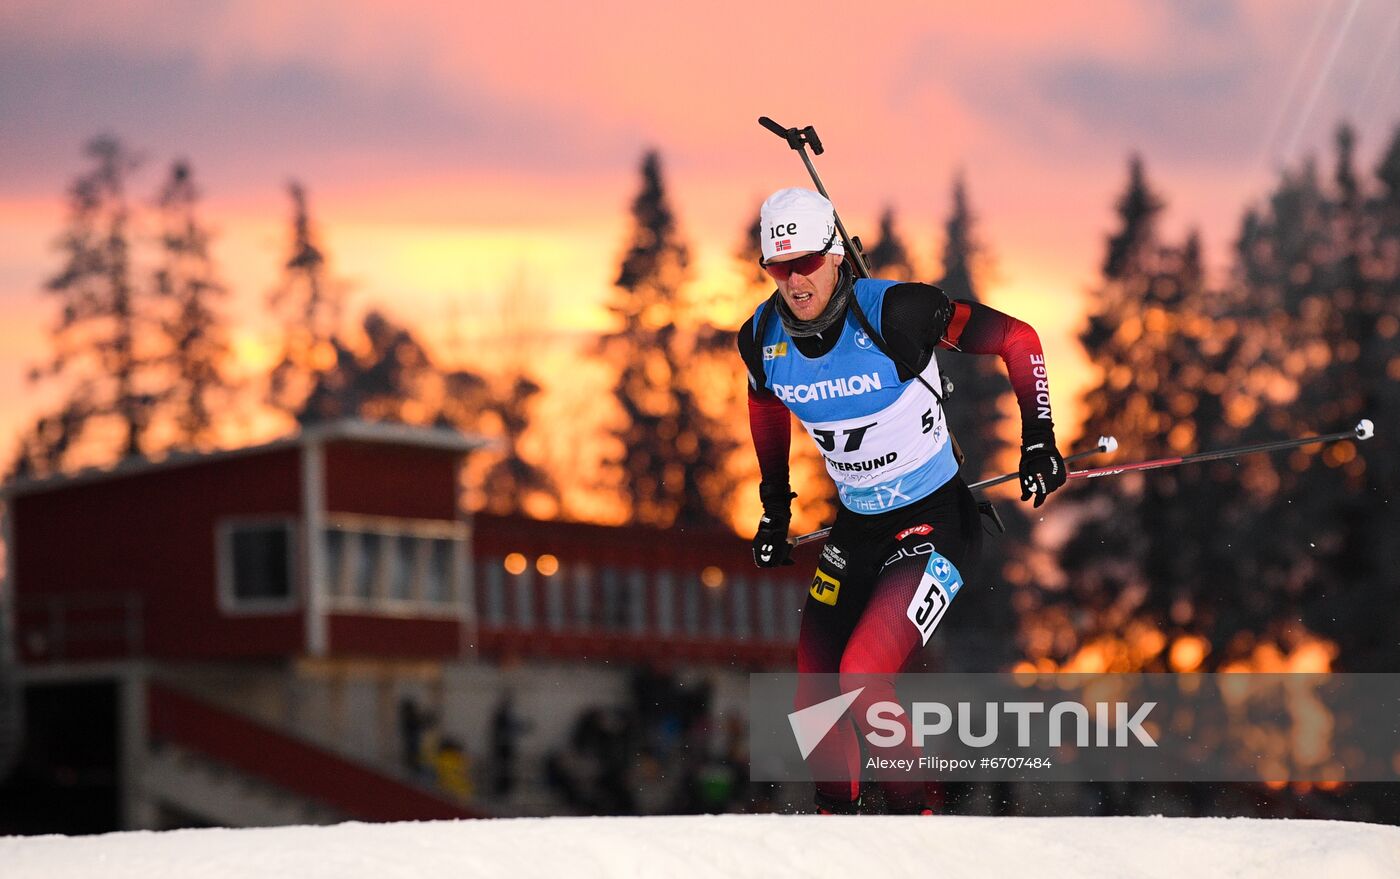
[
  {"x": 889, "y": 258},
  {"x": 391, "y": 378},
  {"x": 102, "y": 339},
  {"x": 309, "y": 304},
  {"x": 1124, "y": 315},
  {"x": 194, "y": 328},
  {"x": 1388, "y": 173},
  {"x": 1283, "y": 310},
  {"x": 513, "y": 484},
  {"x": 1331, "y": 559},
  {"x": 975, "y": 410},
  {"x": 1135, "y": 560},
  {"x": 1372, "y": 514},
  {"x": 975, "y": 417},
  {"x": 1130, "y": 249},
  {"x": 750, "y": 255},
  {"x": 669, "y": 462}
]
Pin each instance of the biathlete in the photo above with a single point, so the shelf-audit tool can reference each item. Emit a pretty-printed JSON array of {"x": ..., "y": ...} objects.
[{"x": 854, "y": 360}]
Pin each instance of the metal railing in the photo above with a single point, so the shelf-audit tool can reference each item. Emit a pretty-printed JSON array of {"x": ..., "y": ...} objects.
[{"x": 80, "y": 625}]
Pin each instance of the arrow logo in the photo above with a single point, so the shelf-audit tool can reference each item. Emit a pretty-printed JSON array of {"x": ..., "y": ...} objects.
[{"x": 811, "y": 724}]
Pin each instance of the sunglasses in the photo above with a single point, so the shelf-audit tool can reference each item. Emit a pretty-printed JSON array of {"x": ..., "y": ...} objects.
[{"x": 803, "y": 265}]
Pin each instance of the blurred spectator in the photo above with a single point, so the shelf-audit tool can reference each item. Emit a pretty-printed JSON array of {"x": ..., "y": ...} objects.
[
  {"x": 411, "y": 723},
  {"x": 592, "y": 772},
  {"x": 663, "y": 753},
  {"x": 506, "y": 728},
  {"x": 429, "y": 744},
  {"x": 453, "y": 769}
]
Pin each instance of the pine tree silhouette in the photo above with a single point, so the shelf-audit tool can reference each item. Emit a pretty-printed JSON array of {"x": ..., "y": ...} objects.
[
  {"x": 889, "y": 258},
  {"x": 669, "y": 463},
  {"x": 192, "y": 322},
  {"x": 1135, "y": 566},
  {"x": 310, "y": 306},
  {"x": 975, "y": 416},
  {"x": 102, "y": 339},
  {"x": 511, "y": 482},
  {"x": 1321, "y": 254}
]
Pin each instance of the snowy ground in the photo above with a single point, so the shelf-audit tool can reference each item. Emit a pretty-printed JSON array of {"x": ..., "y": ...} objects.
[{"x": 730, "y": 846}]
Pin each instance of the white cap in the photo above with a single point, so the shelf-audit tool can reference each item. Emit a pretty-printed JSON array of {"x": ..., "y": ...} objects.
[{"x": 797, "y": 221}]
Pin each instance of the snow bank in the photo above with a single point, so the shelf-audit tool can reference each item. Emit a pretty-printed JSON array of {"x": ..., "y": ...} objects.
[{"x": 730, "y": 846}]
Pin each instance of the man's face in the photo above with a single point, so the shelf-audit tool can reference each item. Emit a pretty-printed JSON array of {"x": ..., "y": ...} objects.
[{"x": 807, "y": 295}]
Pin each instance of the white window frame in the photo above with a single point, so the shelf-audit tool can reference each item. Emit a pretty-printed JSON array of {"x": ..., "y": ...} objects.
[
  {"x": 390, "y": 530},
  {"x": 229, "y": 602}
]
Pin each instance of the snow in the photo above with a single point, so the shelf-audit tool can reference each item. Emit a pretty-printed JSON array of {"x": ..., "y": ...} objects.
[{"x": 729, "y": 846}]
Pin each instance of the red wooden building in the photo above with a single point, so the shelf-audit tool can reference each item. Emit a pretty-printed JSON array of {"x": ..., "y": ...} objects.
[
  {"x": 168, "y": 618},
  {"x": 347, "y": 539},
  {"x": 293, "y": 592}
]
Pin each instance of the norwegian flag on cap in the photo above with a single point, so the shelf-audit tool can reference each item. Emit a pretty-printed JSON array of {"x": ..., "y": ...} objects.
[{"x": 796, "y": 220}]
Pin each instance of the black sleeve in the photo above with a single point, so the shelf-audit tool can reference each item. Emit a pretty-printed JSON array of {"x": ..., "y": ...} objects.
[
  {"x": 753, "y": 359},
  {"x": 912, "y": 320}
]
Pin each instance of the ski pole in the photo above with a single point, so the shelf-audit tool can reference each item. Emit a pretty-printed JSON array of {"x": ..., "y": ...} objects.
[
  {"x": 1363, "y": 430},
  {"x": 1106, "y": 444},
  {"x": 799, "y": 140}
]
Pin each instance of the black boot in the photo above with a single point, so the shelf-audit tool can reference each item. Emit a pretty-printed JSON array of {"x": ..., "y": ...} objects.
[{"x": 827, "y": 805}]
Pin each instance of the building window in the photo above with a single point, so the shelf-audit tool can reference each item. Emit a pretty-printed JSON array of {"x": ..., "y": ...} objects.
[
  {"x": 399, "y": 566},
  {"x": 690, "y": 606},
  {"x": 337, "y": 543},
  {"x": 494, "y": 575},
  {"x": 792, "y": 612},
  {"x": 256, "y": 570},
  {"x": 403, "y": 561},
  {"x": 614, "y": 600},
  {"x": 739, "y": 592},
  {"x": 666, "y": 603},
  {"x": 767, "y": 627},
  {"x": 637, "y": 602},
  {"x": 554, "y": 586},
  {"x": 437, "y": 583},
  {"x": 714, "y": 601},
  {"x": 583, "y": 598},
  {"x": 367, "y": 565},
  {"x": 523, "y": 597}
]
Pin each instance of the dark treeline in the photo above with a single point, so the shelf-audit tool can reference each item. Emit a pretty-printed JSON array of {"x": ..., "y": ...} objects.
[
  {"x": 1275, "y": 563},
  {"x": 1266, "y": 562},
  {"x": 142, "y": 361},
  {"x": 141, "y": 357},
  {"x": 1258, "y": 562}
]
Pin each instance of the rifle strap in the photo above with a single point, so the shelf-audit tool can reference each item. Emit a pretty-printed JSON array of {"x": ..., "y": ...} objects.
[{"x": 884, "y": 349}]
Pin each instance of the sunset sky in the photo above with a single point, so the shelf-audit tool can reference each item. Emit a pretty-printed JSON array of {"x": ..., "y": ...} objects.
[{"x": 457, "y": 151}]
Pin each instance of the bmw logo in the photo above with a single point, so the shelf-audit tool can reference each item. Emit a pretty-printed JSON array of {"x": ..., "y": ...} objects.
[{"x": 862, "y": 340}]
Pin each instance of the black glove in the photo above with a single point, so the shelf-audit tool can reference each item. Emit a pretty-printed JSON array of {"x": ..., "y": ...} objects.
[
  {"x": 770, "y": 544},
  {"x": 1042, "y": 468}
]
